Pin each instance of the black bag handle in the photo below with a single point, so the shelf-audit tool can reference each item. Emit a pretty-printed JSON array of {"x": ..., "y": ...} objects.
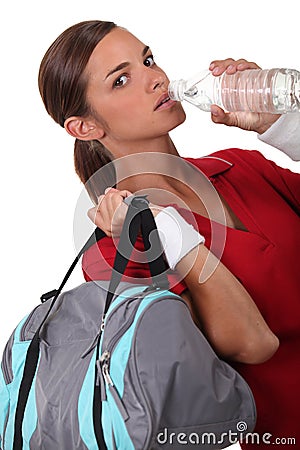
[{"x": 138, "y": 215}]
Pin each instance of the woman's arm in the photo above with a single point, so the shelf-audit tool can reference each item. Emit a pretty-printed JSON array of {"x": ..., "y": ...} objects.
[{"x": 227, "y": 314}]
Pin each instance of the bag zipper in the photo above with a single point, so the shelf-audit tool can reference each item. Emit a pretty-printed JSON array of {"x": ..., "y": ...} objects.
[
  {"x": 102, "y": 326},
  {"x": 113, "y": 342},
  {"x": 103, "y": 363}
]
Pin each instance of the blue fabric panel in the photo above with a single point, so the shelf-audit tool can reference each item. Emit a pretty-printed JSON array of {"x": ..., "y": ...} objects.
[
  {"x": 19, "y": 352},
  {"x": 85, "y": 407},
  {"x": 122, "y": 350}
]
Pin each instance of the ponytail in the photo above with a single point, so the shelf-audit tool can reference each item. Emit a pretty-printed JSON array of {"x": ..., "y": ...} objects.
[
  {"x": 63, "y": 87},
  {"x": 89, "y": 157}
]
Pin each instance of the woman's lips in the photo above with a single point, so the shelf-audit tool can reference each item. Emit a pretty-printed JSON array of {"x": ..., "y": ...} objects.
[{"x": 164, "y": 102}]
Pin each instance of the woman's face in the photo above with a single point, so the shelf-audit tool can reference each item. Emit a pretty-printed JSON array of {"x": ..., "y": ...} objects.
[{"x": 128, "y": 91}]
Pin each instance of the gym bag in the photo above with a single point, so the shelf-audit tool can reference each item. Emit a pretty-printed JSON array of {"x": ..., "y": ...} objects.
[{"x": 118, "y": 366}]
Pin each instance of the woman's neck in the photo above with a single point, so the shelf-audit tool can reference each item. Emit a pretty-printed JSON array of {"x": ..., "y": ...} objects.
[
  {"x": 162, "y": 144},
  {"x": 146, "y": 164}
]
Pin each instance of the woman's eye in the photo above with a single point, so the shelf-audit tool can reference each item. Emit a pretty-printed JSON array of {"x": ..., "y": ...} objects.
[
  {"x": 149, "y": 61},
  {"x": 121, "y": 81}
]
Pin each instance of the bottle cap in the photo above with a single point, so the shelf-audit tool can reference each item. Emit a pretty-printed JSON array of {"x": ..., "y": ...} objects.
[{"x": 176, "y": 90}]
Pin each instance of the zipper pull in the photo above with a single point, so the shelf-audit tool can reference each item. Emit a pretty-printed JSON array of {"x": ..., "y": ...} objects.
[
  {"x": 101, "y": 378},
  {"x": 106, "y": 375},
  {"x": 104, "y": 363},
  {"x": 105, "y": 356},
  {"x": 100, "y": 381}
]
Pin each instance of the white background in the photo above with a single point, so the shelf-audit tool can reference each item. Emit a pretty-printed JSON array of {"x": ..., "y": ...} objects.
[{"x": 39, "y": 189}]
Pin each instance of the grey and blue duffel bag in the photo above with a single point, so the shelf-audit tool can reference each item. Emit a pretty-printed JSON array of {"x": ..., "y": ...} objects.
[{"x": 118, "y": 366}]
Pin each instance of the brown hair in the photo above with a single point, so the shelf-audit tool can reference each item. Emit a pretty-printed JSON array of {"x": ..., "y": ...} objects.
[{"x": 63, "y": 84}]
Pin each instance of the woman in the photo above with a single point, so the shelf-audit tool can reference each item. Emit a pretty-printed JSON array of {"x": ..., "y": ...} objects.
[{"x": 102, "y": 84}]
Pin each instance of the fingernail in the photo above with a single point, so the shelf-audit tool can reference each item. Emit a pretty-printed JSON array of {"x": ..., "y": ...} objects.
[
  {"x": 91, "y": 213},
  {"x": 214, "y": 111},
  {"x": 107, "y": 189},
  {"x": 216, "y": 71}
]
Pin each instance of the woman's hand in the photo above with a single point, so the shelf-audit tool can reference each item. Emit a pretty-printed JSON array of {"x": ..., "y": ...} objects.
[
  {"x": 109, "y": 214},
  {"x": 249, "y": 121}
]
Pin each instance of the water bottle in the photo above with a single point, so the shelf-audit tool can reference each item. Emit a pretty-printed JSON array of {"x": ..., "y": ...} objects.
[{"x": 274, "y": 91}]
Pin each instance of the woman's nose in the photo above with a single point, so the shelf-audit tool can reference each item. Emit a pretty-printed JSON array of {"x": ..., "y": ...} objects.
[{"x": 156, "y": 79}]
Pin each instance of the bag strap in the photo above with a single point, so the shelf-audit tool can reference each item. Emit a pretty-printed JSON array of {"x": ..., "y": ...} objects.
[
  {"x": 138, "y": 216},
  {"x": 96, "y": 236},
  {"x": 32, "y": 356}
]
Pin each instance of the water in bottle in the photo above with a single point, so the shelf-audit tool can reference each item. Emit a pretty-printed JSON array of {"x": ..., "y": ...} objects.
[{"x": 274, "y": 91}]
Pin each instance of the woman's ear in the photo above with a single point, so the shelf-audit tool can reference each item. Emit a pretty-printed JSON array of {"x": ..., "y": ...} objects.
[{"x": 83, "y": 129}]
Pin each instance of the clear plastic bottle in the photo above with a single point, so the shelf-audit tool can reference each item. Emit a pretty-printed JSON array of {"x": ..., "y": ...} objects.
[{"x": 274, "y": 91}]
